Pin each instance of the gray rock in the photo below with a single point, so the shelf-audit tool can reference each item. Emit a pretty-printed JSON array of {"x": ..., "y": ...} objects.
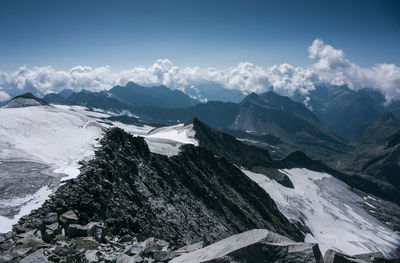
[
  {"x": 97, "y": 231},
  {"x": 68, "y": 218},
  {"x": 92, "y": 256},
  {"x": 36, "y": 257},
  {"x": 274, "y": 253},
  {"x": 75, "y": 230},
  {"x": 122, "y": 258},
  {"x": 86, "y": 243},
  {"x": 109, "y": 258},
  {"x": 50, "y": 231},
  {"x": 332, "y": 256},
  {"x": 135, "y": 250},
  {"x": 257, "y": 245},
  {"x": 50, "y": 218},
  {"x": 189, "y": 248},
  {"x": 7, "y": 257},
  {"x": 162, "y": 256},
  {"x": 19, "y": 229},
  {"x": 30, "y": 240},
  {"x": 127, "y": 238}
]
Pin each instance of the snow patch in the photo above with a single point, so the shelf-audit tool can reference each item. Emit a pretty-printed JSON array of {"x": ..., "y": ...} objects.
[
  {"x": 27, "y": 204},
  {"x": 334, "y": 213},
  {"x": 167, "y": 140}
]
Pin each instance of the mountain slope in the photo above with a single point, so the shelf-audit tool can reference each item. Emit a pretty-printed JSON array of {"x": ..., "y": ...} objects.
[
  {"x": 346, "y": 111},
  {"x": 292, "y": 123},
  {"x": 378, "y": 152},
  {"x": 98, "y": 100},
  {"x": 25, "y": 100},
  {"x": 161, "y": 96},
  {"x": 258, "y": 160},
  {"x": 135, "y": 191}
]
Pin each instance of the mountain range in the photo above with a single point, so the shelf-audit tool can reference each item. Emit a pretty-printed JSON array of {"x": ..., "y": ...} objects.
[
  {"x": 282, "y": 125},
  {"x": 148, "y": 174}
]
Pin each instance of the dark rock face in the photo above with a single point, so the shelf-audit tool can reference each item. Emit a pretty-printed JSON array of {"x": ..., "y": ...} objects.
[
  {"x": 378, "y": 155},
  {"x": 346, "y": 111},
  {"x": 332, "y": 256},
  {"x": 36, "y": 257},
  {"x": 184, "y": 199},
  {"x": 251, "y": 157}
]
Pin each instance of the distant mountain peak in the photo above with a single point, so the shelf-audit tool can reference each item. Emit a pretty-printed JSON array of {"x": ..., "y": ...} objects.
[
  {"x": 25, "y": 100},
  {"x": 160, "y": 96}
]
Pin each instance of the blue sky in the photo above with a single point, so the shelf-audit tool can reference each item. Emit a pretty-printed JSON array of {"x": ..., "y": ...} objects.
[{"x": 122, "y": 34}]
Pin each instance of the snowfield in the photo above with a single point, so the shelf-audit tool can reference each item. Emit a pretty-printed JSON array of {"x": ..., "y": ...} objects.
[
  {"x": 55, "y": 137},
  {"x": 334, "y": 213},
  {"x": 27, "y": 204},
  {"x": 44, "y": 134},
  {"x": 59, "y": 136}
]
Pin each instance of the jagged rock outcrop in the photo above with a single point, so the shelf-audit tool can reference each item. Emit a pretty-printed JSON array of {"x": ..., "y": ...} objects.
[
  {"x": 237, "y": 152},
  {"x": 127, "y": 190},
  {"x": 332, "y": 256}
]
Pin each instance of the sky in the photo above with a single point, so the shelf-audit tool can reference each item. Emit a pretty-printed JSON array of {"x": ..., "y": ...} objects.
[
  {"x": 245, "y": 45},
  {"x": 214, "y": 33}
]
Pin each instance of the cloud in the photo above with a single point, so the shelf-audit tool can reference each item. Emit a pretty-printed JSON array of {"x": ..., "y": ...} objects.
[
  {"x": 4, "y": 96},
  {"x": 330, "y": 66}
]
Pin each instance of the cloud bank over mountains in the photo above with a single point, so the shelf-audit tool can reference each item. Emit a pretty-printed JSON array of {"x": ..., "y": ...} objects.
[{"x": 330, "y": 66}]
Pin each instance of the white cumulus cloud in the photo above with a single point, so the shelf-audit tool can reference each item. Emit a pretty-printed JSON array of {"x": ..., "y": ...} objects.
[
  {"x": 330, "y": 66},
  {"x": 4, "y": 96}
]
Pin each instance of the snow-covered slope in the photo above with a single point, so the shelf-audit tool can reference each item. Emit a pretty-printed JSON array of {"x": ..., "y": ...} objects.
[
  {"x": 48, "y": 135},
  {"x": 167, "y": 140},
  {"x": 22, "y": 102},
  {"x": 164, "y": 140},
  {"x": 53, "y": 137},
  {"x": 334, "y": 213}
]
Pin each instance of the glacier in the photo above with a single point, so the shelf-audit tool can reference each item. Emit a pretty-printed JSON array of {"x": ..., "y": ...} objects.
[{"x": 331, "y": 210}]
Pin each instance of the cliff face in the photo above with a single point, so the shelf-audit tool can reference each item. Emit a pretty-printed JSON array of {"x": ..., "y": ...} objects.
[{"x": 187, "y": 198}]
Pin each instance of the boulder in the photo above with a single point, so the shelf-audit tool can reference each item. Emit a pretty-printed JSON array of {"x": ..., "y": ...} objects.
[
  {"x": 86, "y": 243},
  {"x": 18, "y": 229},
  {"x": 97, "y": 231},
  {"x": 35, "y": 257},
  {"x": 122, "y": 258},
  {"x": 50, "y": 231},
  {"x": 257, "y": 245},
  {"x": 50, "y": 218},
  {"x": 135, "y": 250},
  {"x": 189, "y": 248},
  {"x": 332, "y": 256},
  {"x": 68, "y": 218},
  {"x": 75, "y": 230}
]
